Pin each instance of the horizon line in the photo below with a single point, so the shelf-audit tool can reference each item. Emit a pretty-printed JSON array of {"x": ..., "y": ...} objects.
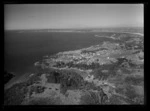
[{"x": 88, "y": 28}]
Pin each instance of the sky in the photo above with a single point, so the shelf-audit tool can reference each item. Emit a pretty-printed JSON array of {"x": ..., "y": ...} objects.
[{"x": 60, "y": 16}]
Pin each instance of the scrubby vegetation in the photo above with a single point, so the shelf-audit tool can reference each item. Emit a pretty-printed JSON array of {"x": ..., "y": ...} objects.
[
  {"x": 111, "y": 68},
  {"x": 33, "y": 79},
  {"x": 44, "y": 101},
  {"x": 80, "y": 65},
  {"x": 95, "y": 97},
  {"x": 16, "y": 94},
  {"x": 91, "y": 97},
  {"x": 87, "y": 100},
  {"x": 53, "y": 77},
  {"x": 134, "y": 80},
  {"x": 36, "y": 89},
  {"x": 70, "y": 80},
  {"x": 130, "y": 92},
  {"x": 116, "y": 100}
]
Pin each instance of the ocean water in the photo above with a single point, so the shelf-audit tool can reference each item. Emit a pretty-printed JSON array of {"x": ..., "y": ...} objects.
[{"x": 22, "y": 50}]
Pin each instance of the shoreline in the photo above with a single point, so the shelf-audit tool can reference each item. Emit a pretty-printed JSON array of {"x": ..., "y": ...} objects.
[{"x": 20, "y": 78}]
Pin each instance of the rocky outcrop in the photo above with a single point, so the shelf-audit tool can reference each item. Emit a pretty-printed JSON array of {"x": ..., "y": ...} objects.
[{"x": 8, "y": 76}]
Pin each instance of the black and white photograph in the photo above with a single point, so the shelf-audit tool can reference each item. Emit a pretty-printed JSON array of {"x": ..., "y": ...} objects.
[{"x": 74, "y": 54}]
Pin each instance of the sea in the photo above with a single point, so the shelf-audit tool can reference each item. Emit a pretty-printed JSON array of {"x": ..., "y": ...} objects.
[{"x": 23, "y": 49}]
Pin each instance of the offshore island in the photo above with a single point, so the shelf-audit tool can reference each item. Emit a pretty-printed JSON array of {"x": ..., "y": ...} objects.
[{"x": 107, "y": 73}]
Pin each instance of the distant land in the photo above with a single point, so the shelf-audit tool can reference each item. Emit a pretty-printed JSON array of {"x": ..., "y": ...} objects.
[{"x": 114, "y": 29}]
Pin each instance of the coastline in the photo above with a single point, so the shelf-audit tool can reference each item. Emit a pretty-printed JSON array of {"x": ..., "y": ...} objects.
[
  {"x": 110, "y": 67},
  {"x": 18, "y": 79}
]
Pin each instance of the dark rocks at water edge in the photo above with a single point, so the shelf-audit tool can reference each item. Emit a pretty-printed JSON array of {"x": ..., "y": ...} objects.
[{"x": 8, "y": 76}]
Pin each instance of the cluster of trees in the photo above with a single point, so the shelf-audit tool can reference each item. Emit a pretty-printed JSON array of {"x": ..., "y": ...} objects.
[
  {"x": 94, "y": 97},
  {"x": 36, "y": 89},
  {"x": 124, "y": 64},
  {"x": 71, "y": 80},
  {"x": 111, "y": 68},
  {"x": 84, "y": 66},
  {"x": 80, "y": 65},
  {"x": 134, "y": 80},
  {"x": 131, "y": 45},
  {"x": 53, "y": 77},
  {"x": 67, "y": 79}
]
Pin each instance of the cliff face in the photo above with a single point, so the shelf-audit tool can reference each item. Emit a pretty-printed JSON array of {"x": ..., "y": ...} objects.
[{"x": 109, "y": 73}]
